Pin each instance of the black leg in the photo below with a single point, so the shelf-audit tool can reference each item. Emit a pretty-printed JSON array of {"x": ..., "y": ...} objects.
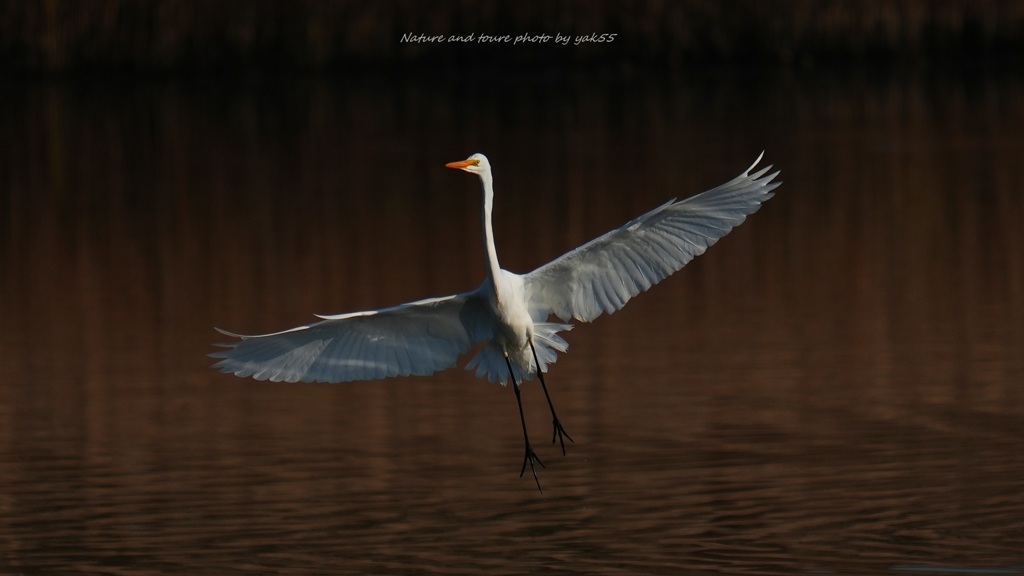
[
  {"x": 530, "y": 456},
  {"x": 559, "y": 430}
]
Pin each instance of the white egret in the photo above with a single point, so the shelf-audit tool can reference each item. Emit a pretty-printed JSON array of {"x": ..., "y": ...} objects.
[{"x": 509, "y": 313}]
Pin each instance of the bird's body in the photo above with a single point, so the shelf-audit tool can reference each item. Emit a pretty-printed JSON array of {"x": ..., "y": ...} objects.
[
  {"x": 509, "y": 312},
  {"x": 513, "y": 327}
]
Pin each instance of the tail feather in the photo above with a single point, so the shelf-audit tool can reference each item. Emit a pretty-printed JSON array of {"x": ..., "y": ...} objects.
[
  {"x": 548, "y": 343},
  {"x": 489, "y": 362}
]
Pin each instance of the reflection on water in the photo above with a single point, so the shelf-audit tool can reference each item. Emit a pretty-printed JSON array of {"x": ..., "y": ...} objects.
[{"x": 835, "y": 387}]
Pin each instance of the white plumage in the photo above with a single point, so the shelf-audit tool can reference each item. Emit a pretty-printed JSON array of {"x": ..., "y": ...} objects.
[{"x": 509, "y": 313}]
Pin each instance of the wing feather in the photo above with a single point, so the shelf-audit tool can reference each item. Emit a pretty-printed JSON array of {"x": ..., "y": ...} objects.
[
  {"x": 602, "y": 275},
  {"x": 418, "y": 338}
]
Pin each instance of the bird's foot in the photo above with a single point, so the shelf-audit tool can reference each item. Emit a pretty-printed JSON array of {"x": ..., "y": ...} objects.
[
  {"x": 530, "y": 458},
  {"x": 558, "y": 433}
]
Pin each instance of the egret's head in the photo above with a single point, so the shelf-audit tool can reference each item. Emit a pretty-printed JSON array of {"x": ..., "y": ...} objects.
[{"x": 477, "y": 164}]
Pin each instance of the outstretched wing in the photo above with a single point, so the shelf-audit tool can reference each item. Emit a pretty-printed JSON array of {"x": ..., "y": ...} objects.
[
  {"x": 602, "y": 275},
  {"x": 418, "y": 338}
]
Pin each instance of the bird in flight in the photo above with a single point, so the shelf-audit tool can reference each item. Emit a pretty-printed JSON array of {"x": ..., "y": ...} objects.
[{"x": 510, "y": 314}]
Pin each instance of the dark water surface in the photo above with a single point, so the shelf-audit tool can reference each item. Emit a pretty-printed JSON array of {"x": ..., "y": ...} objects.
[{"x": 836, "y": 387}]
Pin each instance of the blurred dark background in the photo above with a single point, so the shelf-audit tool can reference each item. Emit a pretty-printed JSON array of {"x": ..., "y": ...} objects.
[
  {"x": 161, "y": 35},
  {"x": 835, "y": 388}
]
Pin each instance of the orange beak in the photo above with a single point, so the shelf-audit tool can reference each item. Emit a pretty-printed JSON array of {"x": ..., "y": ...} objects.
[{"x": 462, "y": 163}]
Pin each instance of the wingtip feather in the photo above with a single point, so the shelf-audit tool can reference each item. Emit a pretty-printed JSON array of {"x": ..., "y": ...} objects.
[{"x": 756, "y": 162}]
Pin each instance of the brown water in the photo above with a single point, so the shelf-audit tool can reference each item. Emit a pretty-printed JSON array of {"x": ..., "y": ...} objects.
[{"x": 836, "y": 387}]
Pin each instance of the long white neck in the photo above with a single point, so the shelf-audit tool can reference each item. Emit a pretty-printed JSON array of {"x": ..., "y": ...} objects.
[{"x": 493, "y": 270}]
